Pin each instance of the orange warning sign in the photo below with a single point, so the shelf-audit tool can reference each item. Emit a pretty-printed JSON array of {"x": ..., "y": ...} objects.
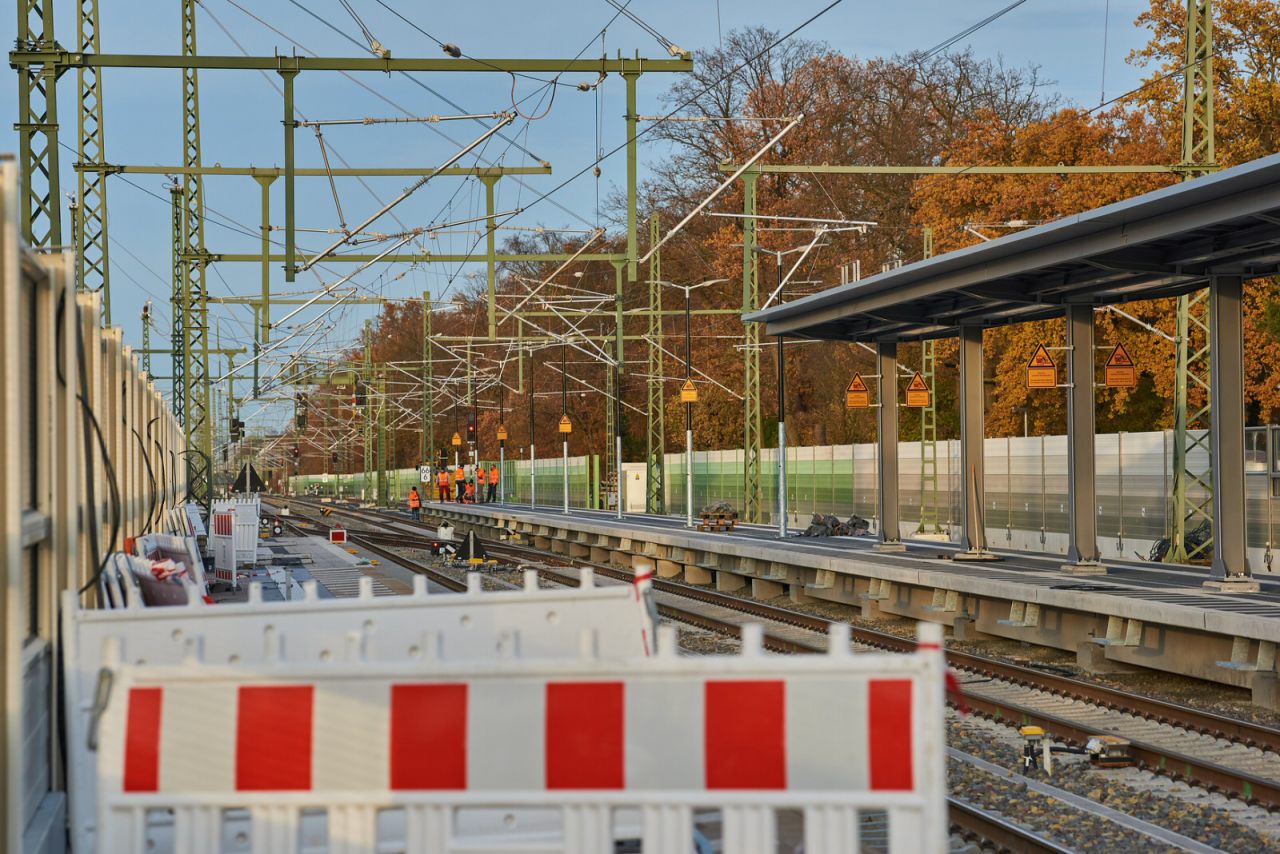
[
  {"x": 457, "y": 440},
  {"x": 1120, "y": 371},
  {"x": 688, "y": 392},
  {"x": 918, "y": 393},
  {"x": 856, "y": 396},
  {"x": 1041, "y": 371},
  {"x": 566, "y": 426},
  {"x": 502, "y": 432}
]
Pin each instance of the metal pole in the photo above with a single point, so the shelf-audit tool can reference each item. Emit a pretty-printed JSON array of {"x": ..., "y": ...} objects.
[
  {"x": 688, "y": 418},
  {"x": 617, "y": 438},
  {"x": 564, "y": 412},
  {"x": 533, "y": 453},
  {"x": 782, "y": 440},
  {"x": 502, "y": 443}
]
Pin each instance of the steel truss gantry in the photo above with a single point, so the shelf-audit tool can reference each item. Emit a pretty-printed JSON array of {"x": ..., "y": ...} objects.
[
  {"x": 40, "y": 61},
  {"x": 1194, "y": 319}
]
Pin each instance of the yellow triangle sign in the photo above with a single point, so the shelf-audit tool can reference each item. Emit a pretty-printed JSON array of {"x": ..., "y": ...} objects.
[
  {"x": 917, "y": 383},
  {"x": 1120, "y": 358},
  {"x": 457, "y": 440},
  {"x": 1041, "y": 358},
  {"x": 856, "y": 396},
  {"x": 688, "y": 392},
  {"x": 502, "y": 432},
  {"x": 1041, "y": 371},
  {"x": 918, "y": 393},
  {"x": 566, "y": 426}
]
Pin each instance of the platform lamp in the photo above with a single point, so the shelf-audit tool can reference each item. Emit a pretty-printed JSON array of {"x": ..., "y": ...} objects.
[{"x": 689, "y": 394}]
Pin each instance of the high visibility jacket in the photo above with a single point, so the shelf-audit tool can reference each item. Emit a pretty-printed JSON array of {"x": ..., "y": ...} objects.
[
  {"x": 471, "y": 488},
  {"x": 493, "y": 475},
  {"x": 459, "y": 474},
  {"x": 442, "y": 479},
  {"x": 415, "y": 500}
]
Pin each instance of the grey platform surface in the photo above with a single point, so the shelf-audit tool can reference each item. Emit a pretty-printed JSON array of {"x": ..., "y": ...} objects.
[{"x": 1024, "y": 576}]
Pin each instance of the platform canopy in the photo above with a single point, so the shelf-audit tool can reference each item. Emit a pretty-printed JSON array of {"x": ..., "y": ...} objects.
[{"x": 1159, "y": 244}]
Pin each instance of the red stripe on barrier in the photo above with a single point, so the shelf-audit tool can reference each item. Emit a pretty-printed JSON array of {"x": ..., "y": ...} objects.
[
  {"x": 889, "y": 729},
  {"x": 745, "y": 735},
  {"x": 429, "y": 736},
  {"x": 142, "y": 740},
  {"x": 585, "y": 726},
  {"x": 273, "y": 737}
]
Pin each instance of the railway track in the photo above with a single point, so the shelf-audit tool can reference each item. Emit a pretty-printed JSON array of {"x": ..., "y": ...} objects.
[{"x": 1212, "y": 751}]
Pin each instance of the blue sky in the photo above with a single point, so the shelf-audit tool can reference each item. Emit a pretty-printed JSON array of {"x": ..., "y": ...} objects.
[{"x": 241, "y": 111}]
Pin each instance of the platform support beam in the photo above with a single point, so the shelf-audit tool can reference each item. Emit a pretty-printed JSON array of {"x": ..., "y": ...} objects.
[
  {"x": 1226, "y": 390},
  {"x": 887, "y": 439},
  {"x": 972, "y": 469},
  {"x": 1082, "y": 547}
]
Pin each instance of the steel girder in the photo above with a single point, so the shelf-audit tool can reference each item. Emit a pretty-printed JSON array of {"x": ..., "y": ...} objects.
[{"x": 92, "y": 248}]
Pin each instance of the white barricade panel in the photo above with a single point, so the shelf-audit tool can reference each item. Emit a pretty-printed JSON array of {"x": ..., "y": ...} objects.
[
  {"x": 834, "y": 736},
  {"x": 222, "y": 535},
  {"x": 419, "y": 628}
]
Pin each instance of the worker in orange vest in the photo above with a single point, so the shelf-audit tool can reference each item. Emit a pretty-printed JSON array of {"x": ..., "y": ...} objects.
[
  {"x": 471, "y": 492},
  {"x": 415, "y": 504},
  {"x": 442, "y": 484},
  {"x": 493, "y": 484},
  {"x": 459, "y": 484}
]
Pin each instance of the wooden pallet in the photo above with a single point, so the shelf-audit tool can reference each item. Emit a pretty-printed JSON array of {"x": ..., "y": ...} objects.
[{"x": 718, "y": 522}]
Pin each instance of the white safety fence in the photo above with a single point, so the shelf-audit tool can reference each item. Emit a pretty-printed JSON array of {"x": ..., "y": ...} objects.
[
  {"x": 393, "y": 754},
  {"x": 418, "y": 631},
  {"x": 90, "y": 456}
]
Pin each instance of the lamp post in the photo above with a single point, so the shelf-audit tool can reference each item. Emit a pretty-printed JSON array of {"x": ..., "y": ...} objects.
[{"x": 691, "y": 398}]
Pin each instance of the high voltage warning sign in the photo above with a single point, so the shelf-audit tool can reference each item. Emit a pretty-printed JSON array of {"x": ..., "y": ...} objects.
[
  {"x": 1120, "y": 371},
  {"x": 566, "y": 426},
  {"x": 457, "y": 440},
  {"x": 502, "y": 432},
  {"x": 1041, "y": 371},
  {"x": 688, "y": 392},
  {"x": 856, "y": 395},
  {"x": 918, "y": 393}
]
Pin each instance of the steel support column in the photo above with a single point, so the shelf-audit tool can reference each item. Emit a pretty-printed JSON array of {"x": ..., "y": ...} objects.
[
  {"x": 1226, "y": 327},
  {"x": 40, "y": 211},
  {"x": 92, "y": 259},
  {"x": 1082, "y": 532},
  {"x": 972, "y": 439},
  {"x": 751, "y": 418},
  {"x": 264, "y": 320},
  {"x": 633, "y": 160},
  {"x": 428, "y": 381},
  {"x": 887, "y": 445},
  {"x": 490, "y": 253},
  {"x": 656, "y": 450}
]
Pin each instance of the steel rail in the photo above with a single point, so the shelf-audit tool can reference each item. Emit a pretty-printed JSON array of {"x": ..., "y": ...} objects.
[{"x": 978, "y": 825}]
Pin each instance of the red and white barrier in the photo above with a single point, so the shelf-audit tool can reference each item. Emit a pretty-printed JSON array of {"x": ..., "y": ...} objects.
[
  {"x": 421, "y": 630},
  {"x": 338, "y": 535},
  {"x": 832, "y": 735}
]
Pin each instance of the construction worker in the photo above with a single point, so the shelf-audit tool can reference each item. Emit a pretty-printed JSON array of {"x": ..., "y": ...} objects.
[
  {"x": 415, "y": 504},
  {"x": 493, "y": 484},
  {"x": 442, "y": 484},
  {"x": 471, "y": 492},
  {"x": 459, "y": 483}
]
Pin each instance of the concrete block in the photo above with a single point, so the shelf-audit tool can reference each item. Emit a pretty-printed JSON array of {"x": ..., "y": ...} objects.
[
  {"x": 889, "y": 548},
  {"x": 727, "y": 582},
  {"x": 1266, "y": 690},
  {"x": 671, "y": 569},
  {"x": 543, "y": 543},
  {"x": 598, "y": 555},
  {"x": 1093, "y": 658},
  {"x": 797, "y": 594},
  {"x": 579, "y": 550},
  {"x": 764, "y": 589},
  {"x": 559, "y": 547},
  {"x": 695, "y": 574},
  {"x": 620, "y": 558},
  {"x": 962, "y": 629}
]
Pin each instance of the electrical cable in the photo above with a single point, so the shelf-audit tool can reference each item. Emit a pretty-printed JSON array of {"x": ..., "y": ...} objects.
[{"x": 968, "y": 31}]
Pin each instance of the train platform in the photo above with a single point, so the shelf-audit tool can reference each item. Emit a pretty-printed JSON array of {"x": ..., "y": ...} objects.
[
  {"x": 285, "y": 563},
  {"x": 1135, "y": 616}
]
